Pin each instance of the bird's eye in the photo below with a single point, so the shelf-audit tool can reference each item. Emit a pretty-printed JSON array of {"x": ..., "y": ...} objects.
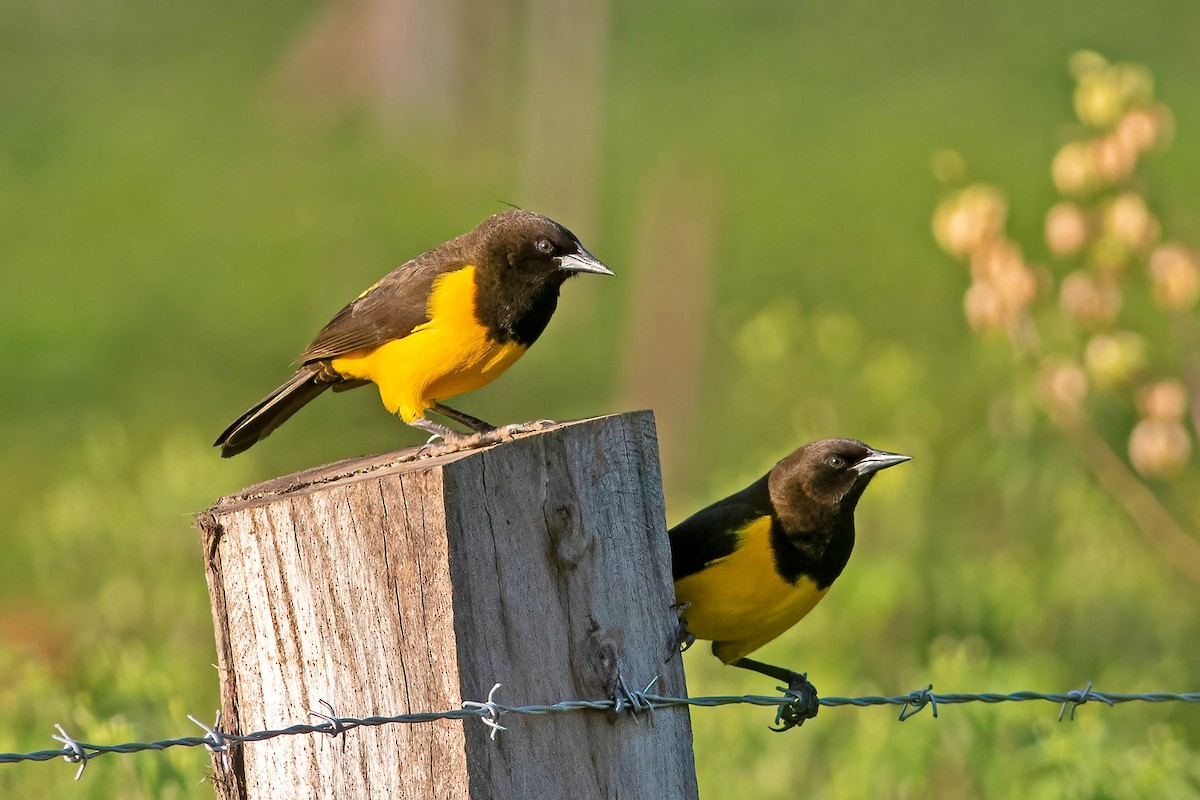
[
  {"x": 545, "y": 246},
  {"x": 837, "y": 462}
]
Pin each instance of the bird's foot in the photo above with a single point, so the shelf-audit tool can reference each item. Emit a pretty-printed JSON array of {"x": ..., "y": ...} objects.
[
  {"x": 453, "y": 442},
  {"x": 503, "y": 433},
  {"x": 804, "y": 705},
  {"x": 506, "y": 432},
  {"x": 445, "y": 444},
  {"x": 681, "y": 638}
]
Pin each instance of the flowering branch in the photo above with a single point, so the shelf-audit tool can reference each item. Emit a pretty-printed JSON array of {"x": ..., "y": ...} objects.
[{"x": 1101, "y": 234}]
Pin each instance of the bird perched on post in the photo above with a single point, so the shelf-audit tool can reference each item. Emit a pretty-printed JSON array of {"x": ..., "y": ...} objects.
[
  {"x": 751, "y": 566},
  {"x": 449, "y": 321}
]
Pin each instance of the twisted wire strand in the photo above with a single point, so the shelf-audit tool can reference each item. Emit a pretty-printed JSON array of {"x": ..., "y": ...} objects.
[{"x": 491, "y": 712}]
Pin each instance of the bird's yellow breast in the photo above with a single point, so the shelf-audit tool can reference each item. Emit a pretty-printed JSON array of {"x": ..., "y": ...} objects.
[
  {"x": 450, "y": 354},
  {"x": 739, "y": 601}
]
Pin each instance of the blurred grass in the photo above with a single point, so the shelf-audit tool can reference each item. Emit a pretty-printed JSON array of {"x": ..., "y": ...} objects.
[{"x": 171, "y": 236}]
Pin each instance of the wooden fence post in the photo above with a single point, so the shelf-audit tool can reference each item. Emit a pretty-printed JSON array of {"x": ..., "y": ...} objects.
[{"x": 385, "y": 587}]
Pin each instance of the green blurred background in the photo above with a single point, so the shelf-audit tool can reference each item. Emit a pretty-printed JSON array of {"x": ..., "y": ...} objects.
[{"x": 189, "y": 191}]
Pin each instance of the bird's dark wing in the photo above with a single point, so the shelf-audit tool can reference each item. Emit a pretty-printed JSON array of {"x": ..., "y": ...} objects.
[
  {"x": 710, "y": 533},
  {"x": 390, "y": 309}
]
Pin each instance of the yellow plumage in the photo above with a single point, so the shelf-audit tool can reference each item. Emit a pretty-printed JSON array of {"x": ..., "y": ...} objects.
[
  {"x": 739, "y": 601},
  {"x": 446, "y": 356}
]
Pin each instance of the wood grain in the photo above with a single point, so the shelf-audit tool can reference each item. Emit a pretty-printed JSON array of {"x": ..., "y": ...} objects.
[{"x": 386, "y": 587}]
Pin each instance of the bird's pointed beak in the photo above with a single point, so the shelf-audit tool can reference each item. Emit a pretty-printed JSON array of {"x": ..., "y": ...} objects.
[
  {"x": 877, "y": 460},
  {"x": 582, "y": 261}
]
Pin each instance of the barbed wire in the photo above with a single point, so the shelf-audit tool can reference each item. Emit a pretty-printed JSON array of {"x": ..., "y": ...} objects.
[{"x": 628, "y": 700}]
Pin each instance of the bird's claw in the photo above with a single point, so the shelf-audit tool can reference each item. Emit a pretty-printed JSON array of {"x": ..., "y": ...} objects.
[
  {"x": 429, "y": 444},
  {"x": 804, "y": 704},
  {"x": 681, "y": 638}
]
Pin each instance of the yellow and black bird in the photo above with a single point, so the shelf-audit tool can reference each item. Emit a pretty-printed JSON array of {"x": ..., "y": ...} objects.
[
  {"x": 449, "y": 321},
  {"x": 751, "y": 566}
]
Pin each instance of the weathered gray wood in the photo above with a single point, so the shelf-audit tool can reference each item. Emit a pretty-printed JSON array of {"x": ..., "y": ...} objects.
[{"x": 387, "y": 587}]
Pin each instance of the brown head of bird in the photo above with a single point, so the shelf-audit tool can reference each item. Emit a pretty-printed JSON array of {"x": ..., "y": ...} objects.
[
  {"x": 524, "y": 259},
  {"x": 820, "y": 484}
]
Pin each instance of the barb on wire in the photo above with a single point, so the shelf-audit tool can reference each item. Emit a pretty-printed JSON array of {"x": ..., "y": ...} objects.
[
  {"x": 925, "y": 697},
  {"x": 1079, "y": 698},
  {"x": 490, "y": 712},
  {"x": 491, "y": 715},
  {"x": 336, "y": 728},
  {"x": 214, "y": 740},
  {"x": 631, "y": 700},
  {"x": 73, "y": 751}
]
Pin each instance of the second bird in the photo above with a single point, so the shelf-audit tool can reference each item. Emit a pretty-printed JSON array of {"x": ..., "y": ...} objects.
[
  {"x": 449, "y": 321},
  {"x": 751, "y": 566}
]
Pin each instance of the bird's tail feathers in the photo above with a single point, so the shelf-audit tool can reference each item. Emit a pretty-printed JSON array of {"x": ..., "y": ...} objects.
[{"x": 271, "y": 412}]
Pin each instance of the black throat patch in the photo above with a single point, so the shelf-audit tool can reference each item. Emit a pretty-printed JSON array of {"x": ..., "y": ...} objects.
[
  {"x": 514, "y": 311},
  {"x": 819, "y": 555}
]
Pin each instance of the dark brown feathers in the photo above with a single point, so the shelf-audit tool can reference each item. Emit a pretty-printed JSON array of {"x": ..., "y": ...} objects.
[{"x": 271, "y": 412}]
